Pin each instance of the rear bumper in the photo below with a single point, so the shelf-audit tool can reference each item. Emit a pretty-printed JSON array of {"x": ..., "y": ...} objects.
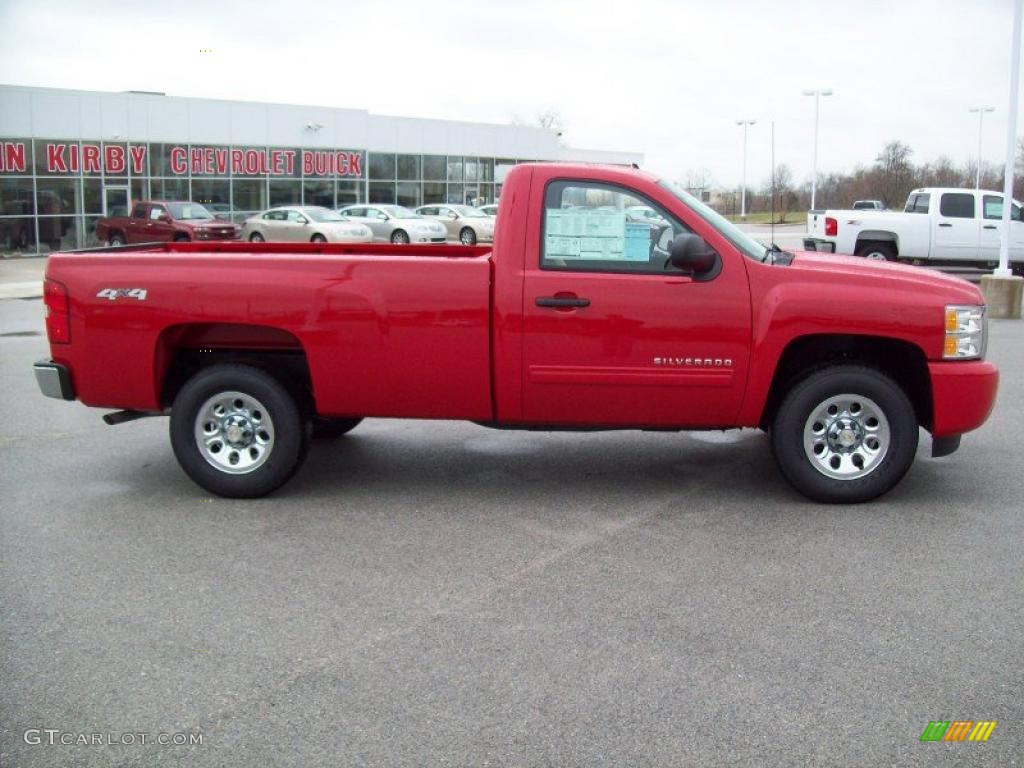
[
  {"x": 963, "y": 394},
  {"x": 819, "y": 245},
  {"x": 54, "y": 380}
]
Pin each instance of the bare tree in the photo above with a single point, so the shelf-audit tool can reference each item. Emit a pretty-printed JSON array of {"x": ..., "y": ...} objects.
[
  {"x": 895, "y": 172},
  {"x": 698, "y": 181},
  {"x": 550, "y": 120}
]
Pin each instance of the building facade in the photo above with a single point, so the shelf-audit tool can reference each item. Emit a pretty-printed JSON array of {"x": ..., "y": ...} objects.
[{"x": 69, "y": 157}]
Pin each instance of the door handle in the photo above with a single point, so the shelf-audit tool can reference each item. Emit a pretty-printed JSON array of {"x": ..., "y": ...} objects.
[
  {"x": 945, "y": 224},
  {"x": 990, "y": 226},
  {"x": 561, "y": 302}
]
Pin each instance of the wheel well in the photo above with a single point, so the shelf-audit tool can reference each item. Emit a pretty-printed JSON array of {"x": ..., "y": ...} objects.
[
  {"x": 183, "y": 350},
  {"x": 181, "y": 237},
  {"x": 904, "y": 362},
  {"x": 868, "y": 237}
]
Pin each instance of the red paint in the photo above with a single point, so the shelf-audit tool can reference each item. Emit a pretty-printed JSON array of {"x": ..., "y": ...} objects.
[
  {"x": 114, "y": 159},
  {"x": 90, "y": 158},
  {"x": 145, "y": 229},
  {"x": 455, "y": 332},
  {"x": 138, "y": 155},
  {"x": 178, "y": 164},
  {"x": 12, "y": 157},
  {"x": 55, "y": 162}
]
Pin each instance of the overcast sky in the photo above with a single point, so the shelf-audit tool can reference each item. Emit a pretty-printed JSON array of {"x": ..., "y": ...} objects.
[{"x": 668, "y": 79}]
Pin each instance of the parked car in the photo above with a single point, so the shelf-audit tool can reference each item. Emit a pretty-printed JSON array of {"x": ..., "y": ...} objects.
[
  {"x": 304, "y": 224},
  {"x": 163, "y": 221},
  {"x": 464, "y": 223},
  {"x": 491, "y": 209},
  {"x": 395, "y": 224},
  {"x": 571, "y": 321},
  {"x": 869, "y": 205},
  {"x": 220, "y": 211},
  {"x": 938, "y": 225}
]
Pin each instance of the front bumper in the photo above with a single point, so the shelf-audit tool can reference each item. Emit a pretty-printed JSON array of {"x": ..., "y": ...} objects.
[
  {"x": 963, "y": 395},
  {"x": 54, "y": 380},
  {"x": 819, "y": 245}
]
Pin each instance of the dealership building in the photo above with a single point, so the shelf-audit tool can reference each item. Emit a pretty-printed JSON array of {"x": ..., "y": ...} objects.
[{"x": 68, "y": 157}]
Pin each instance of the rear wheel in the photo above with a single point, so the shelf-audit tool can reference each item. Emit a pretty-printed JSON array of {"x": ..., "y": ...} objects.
[
  {"x": 255, "y": 237},
  {"x": 237, "y": 432},
  {"x": 399, "y": 237},
  {"x": 845, "y": 434},
  {"x": 877, "y": 251},
  {"x": 318, "y": 239},
  {"x": 467, "y": 236},
  {"x": 117, "y": 239}
]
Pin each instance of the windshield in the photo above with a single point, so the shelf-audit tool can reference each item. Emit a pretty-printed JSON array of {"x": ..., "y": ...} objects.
[
  {"x": 399, "y": 212},
  {"x": 188, "y": 211},
  {"x": 729, "y": 231},
  {"x": 322, "y": 214},
  {"x": 469, "y": 210}
]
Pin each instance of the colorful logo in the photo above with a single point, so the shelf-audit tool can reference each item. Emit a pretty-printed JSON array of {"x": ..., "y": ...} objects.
[{"x": 958, "y": 730}]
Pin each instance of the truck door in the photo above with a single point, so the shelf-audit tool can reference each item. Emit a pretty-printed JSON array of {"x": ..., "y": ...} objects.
[
  {"x": 956, "y": 228},
  {"x": 159, "y": 227},
  {"x": 135, "y": 227},
  {"x": 992, "y": 227},
  {"x": 614, "y": 337}
]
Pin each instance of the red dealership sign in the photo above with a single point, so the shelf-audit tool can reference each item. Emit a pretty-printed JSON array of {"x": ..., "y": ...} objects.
[{"x": 115, "y": 159}]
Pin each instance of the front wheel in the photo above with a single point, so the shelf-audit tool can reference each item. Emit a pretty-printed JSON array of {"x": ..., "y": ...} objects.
[
  {"x": 399, "y": 237},
  {"x": 117, "y": 240},
  {"x": 845, "y": 434},
  {"x": 467, "y": 236},
  {"x": 237, "y": 432},
  {"x": 319, "y": 239},
  {"x": 255, "y": 237}
]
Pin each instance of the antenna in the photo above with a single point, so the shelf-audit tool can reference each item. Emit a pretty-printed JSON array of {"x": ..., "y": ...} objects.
[{"x": 772, "y": 220}]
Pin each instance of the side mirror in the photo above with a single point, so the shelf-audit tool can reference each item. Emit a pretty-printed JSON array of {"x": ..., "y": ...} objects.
[
  {"x": 453, "y": 215},
  {"x": 164, "y": 216},
  {"x": 690, "y": 253},
  {"x": 303, "y": 220}
]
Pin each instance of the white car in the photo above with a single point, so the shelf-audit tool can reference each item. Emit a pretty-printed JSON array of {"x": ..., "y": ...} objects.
[
  {"x": 938, "y": 225},
  {"x": 303, "y": 224},
  {"x": 491, "y": 209},
  {"x": 395, "y": 224},
  {"x": 465, "y": 223}
]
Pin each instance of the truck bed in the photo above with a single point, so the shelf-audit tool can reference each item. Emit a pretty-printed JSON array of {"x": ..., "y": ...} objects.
[{"x": 395, "y": 330}]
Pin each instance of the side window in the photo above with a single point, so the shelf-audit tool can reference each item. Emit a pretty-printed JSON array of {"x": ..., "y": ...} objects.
[
  {"x": 957, "y": 205},
  {"x": 139, "y": 211},
  {"x": 921, "y": 204},
  {"x": 293, "y": 216},
  {"x": 993, "y": 208},
  {"x": 428, "y": 211},
  {"x": 155, "y": 211},
  {"x": 587, "y": 228}
]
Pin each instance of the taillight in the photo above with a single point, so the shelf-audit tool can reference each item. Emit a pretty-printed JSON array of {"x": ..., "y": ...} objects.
[
  {"x": 831, "y": 227},
  {"x": 58, "y": 316}
]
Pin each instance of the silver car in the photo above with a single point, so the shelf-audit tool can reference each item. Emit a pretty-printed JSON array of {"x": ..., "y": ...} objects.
[
  {"x": 464, "y": 223},
  {"x": 304, "y": 224},
  {"x": 395, "y": 223}
]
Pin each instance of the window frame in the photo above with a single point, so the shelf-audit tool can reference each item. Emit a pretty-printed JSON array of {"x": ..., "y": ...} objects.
[{"x": 970, "y": 195}]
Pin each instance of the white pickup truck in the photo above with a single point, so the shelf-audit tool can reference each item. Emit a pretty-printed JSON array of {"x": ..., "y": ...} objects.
[{"x": 938, "y": 225}]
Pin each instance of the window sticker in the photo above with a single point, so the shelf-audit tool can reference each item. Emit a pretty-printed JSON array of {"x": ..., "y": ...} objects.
[{"x": 594, "y": 234}]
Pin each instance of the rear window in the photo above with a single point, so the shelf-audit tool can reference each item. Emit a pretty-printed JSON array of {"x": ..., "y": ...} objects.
[
  {"x": 917, "y": 203},
  {"x": 957, "y": 205}
]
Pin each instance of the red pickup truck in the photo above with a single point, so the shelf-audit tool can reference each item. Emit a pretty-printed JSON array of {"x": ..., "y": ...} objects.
[
  {"x": 578, "y": 319},
  {"x": 162, "y": 221}
]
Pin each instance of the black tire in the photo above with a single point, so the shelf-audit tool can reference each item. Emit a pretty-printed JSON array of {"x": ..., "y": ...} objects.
[
  {"x": 181, "y": 238},
  {"x": 877, "y": 251},
  {"x": 318, "y": 239},
  {"x": 324, "y": 428},
  {"x": 399, "y": 237},
  {"x": 290, "y": 431},
  {"x": 467, "y": 236},
  {"x": 256, "y": 237},
  {"x": 117, "y": 239},
  {"x": 787, "y": 435}
]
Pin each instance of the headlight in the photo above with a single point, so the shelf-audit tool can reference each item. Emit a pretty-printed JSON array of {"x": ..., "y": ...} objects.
[{"x": 966, "y": 332}]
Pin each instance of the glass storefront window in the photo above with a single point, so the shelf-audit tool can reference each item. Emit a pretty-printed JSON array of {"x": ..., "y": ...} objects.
[
  {"x": 89, "y": 232},
  {"x": 472, "y": 169},
  {"x": 382, "y": 192},
  {"x": 249, "y": 194},
  {"x": 409, "y": 167},
  {"x": 59, "y": 233},
  {"x": 140, "y": 189},
  {"x": 215, "y": 192},
  {"x": 382, "y": 166},
  {"x": 434, "y": 168},
  {"x": 434, "y": 192},
  {"x": 455, "y": 194},
  {"x": 486, "y": 169},
  {"x": 160, "y": 159},
  {"x": 16, "y": 197},
  {"x": 169, "y": 189},
  {"x": 408, "y": 194},
  {"x": 17, "y": 234},
  {"x": 92, "y": 196},
  {"x": 349, "y": 192},
  {"x": 55, "y": 196},
  {"x": 454, "y": 169},
  {"x": 319, "y": 192},
  {"x": 285, "y": 193}
]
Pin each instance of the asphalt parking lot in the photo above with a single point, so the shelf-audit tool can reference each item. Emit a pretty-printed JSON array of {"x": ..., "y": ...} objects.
[{"x": 441, "y": 594}]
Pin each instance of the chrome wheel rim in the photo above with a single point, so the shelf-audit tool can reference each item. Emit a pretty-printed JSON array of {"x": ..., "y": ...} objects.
[
  {"x": 234, "y": 433},
  {"x": 876, "y": 256},
  {"x": 846, "y": 437},
  {"x": 399, "y": 239},
  {"x": 467, "y": 237}
]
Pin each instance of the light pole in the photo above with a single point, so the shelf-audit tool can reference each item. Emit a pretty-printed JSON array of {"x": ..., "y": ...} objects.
[
  {"x": 817, "y": 93},
  {"x": 981, "y": 119},
  {"x": 743, "y": 187}
]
